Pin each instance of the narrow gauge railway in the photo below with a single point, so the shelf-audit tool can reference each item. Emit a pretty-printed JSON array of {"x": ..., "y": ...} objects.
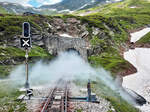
[{"x": 57, "y": 100}]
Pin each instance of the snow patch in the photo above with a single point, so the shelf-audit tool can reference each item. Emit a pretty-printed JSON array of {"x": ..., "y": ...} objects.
[
  {"x": 118, "y": 0},
  {"x": 93, "y": 1},
  {"x": 5, "y": 3},
  {"x": 49, "y": 25},
  {"x": 132, "y": 7},
  {"x": 137, "y": 35},
  {"x": 65, "y": 35},
  {"x": 14, "y": 10},
  {"x": 108, "y": 1},
  {"x": 37, "y": 9},
  {"x": 82, "y": 7},
  {"x": 112, "y": 1},
  {"x": 140, "y": 58},
  {"x": 16, "y": 4},
  {"x": 53, "y": 9},
  {"x": 66, "y": 10}
]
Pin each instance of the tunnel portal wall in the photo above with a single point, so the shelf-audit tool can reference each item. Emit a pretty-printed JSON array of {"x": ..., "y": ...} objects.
[{"x": 57, "y": 44}]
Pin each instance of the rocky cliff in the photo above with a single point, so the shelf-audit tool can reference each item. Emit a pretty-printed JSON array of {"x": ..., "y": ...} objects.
[{"x": 92, "y": 36}]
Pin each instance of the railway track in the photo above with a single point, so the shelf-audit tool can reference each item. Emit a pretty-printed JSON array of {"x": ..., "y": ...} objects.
[{"x": 57, "y": 100}]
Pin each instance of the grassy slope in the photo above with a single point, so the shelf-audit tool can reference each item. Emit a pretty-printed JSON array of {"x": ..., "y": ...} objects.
[
  {"x": 145, "y": 39},
  {"x": 13, "y": 53},
  {"x": 11, "y": 25},
  {"x": 118, "y": 103},
  {"x": 10, "y": 52},
  {"x": 123, "y": 19},
  {"x": 109, "y": 44},
  {"x": 8, "y": 96},
  {"x": 118, "y": 16},
  {"x": 3, "y": 11},
  {"x": 109, "y": 58},
  {"x": 128, "y": 19}
]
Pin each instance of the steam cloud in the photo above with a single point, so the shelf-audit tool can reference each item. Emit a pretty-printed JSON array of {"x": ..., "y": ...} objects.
[{"x": 67, "y": 65}]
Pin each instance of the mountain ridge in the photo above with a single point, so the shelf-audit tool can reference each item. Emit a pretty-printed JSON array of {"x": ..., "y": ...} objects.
[{"x": 66, "y": 6}]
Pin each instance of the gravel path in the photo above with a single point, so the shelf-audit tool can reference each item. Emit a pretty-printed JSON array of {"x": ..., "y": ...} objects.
[
  {"x": 103, "y": 106},
  {"x": 33, "y": 105}
]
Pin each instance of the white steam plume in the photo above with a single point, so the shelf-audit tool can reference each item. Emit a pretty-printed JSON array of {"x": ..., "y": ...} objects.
[{"x": 68, "y": 65}]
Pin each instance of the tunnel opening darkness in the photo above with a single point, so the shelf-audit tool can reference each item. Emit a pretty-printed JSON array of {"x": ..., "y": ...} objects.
[{"x": 73, "y": 50}]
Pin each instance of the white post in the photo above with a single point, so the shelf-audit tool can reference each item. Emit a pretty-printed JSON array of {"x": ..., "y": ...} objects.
[{"x": 27, "y": 70}]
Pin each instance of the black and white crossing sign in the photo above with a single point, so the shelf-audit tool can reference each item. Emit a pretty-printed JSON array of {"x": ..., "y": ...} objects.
[{"x": 25, "y": 42}]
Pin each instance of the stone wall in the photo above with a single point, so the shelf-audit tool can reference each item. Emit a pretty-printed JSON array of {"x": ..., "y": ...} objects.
[{"x": 56, "y": 44}]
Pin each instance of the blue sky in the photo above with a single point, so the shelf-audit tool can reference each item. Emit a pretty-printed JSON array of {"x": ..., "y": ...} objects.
[{"x": 33, "y": 3}]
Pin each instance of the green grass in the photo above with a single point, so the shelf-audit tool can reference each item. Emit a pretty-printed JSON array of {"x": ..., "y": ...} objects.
[
  {"x": 102, "y": 90},
  {"x": 129, "y": 18},
  {"x": 118, "y": 103},
  {"x": 144, "y": 40},
  {"x": 111, "y": 62},
  {"x": 11, "y": 52},
  {"x": 7, "y": 53},
  {"x": 5, "y": 70},
  {"x": 121, "y": 106},
  {"x": 11, "y": 25},
  {"x": 8, "y": 96},
  {"x": 120, "y": 18},
  {"x": 108, "y": 57},
  {"x": 2, "y": 10},
  {"x": 79, "y": 110}
]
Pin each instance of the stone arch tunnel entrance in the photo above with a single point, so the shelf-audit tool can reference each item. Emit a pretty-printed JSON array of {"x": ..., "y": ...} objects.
[
  {"x": 56, "y": 44},
  {"x": 73, "y": 50}
]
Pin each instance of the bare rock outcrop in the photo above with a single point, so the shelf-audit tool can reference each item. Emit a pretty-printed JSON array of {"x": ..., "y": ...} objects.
[{"x": 56, "y": 44}]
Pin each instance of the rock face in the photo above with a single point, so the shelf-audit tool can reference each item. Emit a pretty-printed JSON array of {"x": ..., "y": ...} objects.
[
  {"x": 51, "y": 37},
  {"x": 140, "y": 100},
  {"x": 56, "y": 44},
  {"x": 71, "y": 26},
  {"x": 73, "y": 5},
  {"x": 50, "y": 33},
  {"x": 129, "y": 71}
]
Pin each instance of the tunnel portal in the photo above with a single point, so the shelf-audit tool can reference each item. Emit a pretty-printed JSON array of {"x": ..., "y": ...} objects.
[
  {"x": 56, "y": 44},
  {"x": 73, "y": 50}
]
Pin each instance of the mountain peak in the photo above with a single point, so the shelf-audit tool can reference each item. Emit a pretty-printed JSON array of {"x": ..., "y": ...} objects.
[{"x": 60, "y": 7}]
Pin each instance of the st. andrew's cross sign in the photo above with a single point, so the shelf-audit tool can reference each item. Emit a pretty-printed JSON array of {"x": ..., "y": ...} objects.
[{"x": 25, "y": 42}]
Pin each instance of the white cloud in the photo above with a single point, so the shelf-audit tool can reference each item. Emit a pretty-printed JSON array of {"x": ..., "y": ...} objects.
[
  {"x": 22, "y": 2},
  {"x": 25, "y": 2},
  {"x": 47, "y": 2}
]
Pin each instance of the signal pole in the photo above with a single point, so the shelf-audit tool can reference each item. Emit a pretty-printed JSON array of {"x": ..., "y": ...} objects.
[
  {"x": 27, "y": 70},
  {"x": 26, "y": 44}
]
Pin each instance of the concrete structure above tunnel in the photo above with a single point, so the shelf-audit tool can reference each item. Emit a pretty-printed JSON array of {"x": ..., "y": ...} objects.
[{"x": 56, "y": 44}]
